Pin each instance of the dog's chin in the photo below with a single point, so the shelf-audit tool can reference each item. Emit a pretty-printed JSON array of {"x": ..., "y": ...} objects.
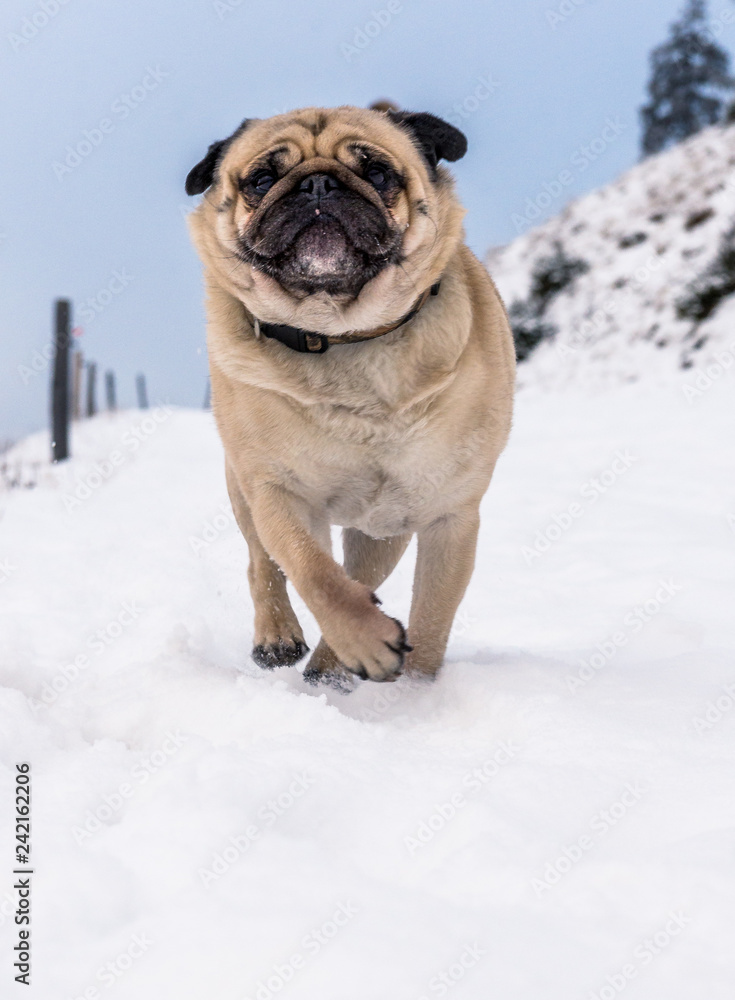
[{"x": 323, "y": 259}]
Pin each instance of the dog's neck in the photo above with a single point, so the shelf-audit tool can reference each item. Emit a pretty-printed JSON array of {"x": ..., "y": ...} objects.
[{"x": 310, "y": 342}]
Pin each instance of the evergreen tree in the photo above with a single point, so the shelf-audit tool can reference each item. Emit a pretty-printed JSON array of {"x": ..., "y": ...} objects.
[{"x": 690, "y": 82}]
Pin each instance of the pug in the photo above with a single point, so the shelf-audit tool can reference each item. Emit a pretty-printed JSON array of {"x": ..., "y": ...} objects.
[{"x": 362, "y": 373}]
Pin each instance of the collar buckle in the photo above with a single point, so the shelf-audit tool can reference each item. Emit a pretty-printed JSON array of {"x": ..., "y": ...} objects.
[{"x": 312, "y": 343}]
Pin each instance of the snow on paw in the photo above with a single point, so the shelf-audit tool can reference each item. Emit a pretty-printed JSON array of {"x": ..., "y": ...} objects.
[
  {"x": 340, "y": 679},
  {"x": 280, "y": 653},
  {"x": 324, "y": 667}
]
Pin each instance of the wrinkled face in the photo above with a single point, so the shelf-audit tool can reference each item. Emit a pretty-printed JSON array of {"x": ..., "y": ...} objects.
[
  {"x": 324, "y": 201},
  {"x": 323, "y": 223}
]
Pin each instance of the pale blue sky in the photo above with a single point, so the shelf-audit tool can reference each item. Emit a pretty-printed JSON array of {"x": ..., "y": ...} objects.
[{"x": 171, "y": 76}]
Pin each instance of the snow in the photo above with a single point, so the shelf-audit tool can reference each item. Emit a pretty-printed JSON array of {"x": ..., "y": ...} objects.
[
  {"x": 618, "y": 322},
  {"x": 528, "y": 826}
]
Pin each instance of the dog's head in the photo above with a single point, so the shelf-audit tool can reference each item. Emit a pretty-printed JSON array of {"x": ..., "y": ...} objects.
[{"x": 310, "y": 212}]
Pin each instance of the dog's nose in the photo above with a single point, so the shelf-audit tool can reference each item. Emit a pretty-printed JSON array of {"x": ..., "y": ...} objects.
[{"x": 319, "y": 185}]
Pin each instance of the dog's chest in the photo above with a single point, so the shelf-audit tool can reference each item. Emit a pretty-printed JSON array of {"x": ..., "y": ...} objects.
[
  {"x": 383, "y": 477},
  {"x": 376, "y": 500}
]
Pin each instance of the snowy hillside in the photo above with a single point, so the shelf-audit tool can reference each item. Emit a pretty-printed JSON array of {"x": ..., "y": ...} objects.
[
  {"x": 634, "y": 280},
  {"x": 553, "y": 819}
]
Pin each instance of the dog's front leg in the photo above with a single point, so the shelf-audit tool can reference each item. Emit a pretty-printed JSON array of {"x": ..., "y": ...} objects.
[
  {"x": 370, "y": 561},
  {"x": 444, "y": 564},
  {"x": 366, "y": 641}
]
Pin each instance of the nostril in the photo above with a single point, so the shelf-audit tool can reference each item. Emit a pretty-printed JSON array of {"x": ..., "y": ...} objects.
[{"x": 319, "y": 185}]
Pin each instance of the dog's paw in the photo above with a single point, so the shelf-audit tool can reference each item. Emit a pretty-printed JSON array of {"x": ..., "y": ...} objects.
[
  {"x": 369, "y": 643},
  {"x": 424, "y": 662},
  {"x": 384, "y": 659},
  {"x": 339, "y": 679},
  {"x": 325, "y": 668},
  {"x": 281, "y": 653}
]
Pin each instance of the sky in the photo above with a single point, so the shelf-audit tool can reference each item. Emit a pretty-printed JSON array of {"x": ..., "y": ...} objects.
[{"x": 106, "y": 106}]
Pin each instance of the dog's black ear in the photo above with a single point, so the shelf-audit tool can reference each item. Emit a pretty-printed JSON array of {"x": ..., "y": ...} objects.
[
  {"x": 437, "y": 139},
  {"x": 203, "y": 174}
]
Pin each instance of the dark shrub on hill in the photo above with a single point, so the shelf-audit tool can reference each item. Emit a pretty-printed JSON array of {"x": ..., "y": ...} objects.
[
  {"x": 550, "y": 277},
  {"x": 717, "y": 282}
]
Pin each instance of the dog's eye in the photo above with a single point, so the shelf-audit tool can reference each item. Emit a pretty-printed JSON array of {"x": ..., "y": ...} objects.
[
  {"x": 262, "y": 181},
  {"x": 377, "y": 177}
]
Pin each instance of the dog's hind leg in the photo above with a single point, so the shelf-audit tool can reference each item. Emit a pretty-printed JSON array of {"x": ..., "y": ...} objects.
[
  {"x": 277, "y": 639},
  {"x": 370, "y": 561},
  {"x": 444, "y": 564}
]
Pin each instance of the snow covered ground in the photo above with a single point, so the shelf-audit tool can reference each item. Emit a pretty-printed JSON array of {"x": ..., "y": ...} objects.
[{"x": 554, "y": 818}]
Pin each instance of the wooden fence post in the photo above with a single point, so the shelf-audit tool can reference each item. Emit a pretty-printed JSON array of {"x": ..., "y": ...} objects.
[
  {"x": 60, "y": 382},
  {"x": 142, "y": 392},
  {"x": 91, "y": 388},
  {"x": 77, "y": 376},
  {"x": 110, "y": 392}
]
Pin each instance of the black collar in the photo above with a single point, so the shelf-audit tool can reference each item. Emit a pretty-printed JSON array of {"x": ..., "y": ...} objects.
[{"x": 307, "y": 342}]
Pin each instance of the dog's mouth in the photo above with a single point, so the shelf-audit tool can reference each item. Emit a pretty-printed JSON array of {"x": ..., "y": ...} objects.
[{"x": 321, "y": 236}]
